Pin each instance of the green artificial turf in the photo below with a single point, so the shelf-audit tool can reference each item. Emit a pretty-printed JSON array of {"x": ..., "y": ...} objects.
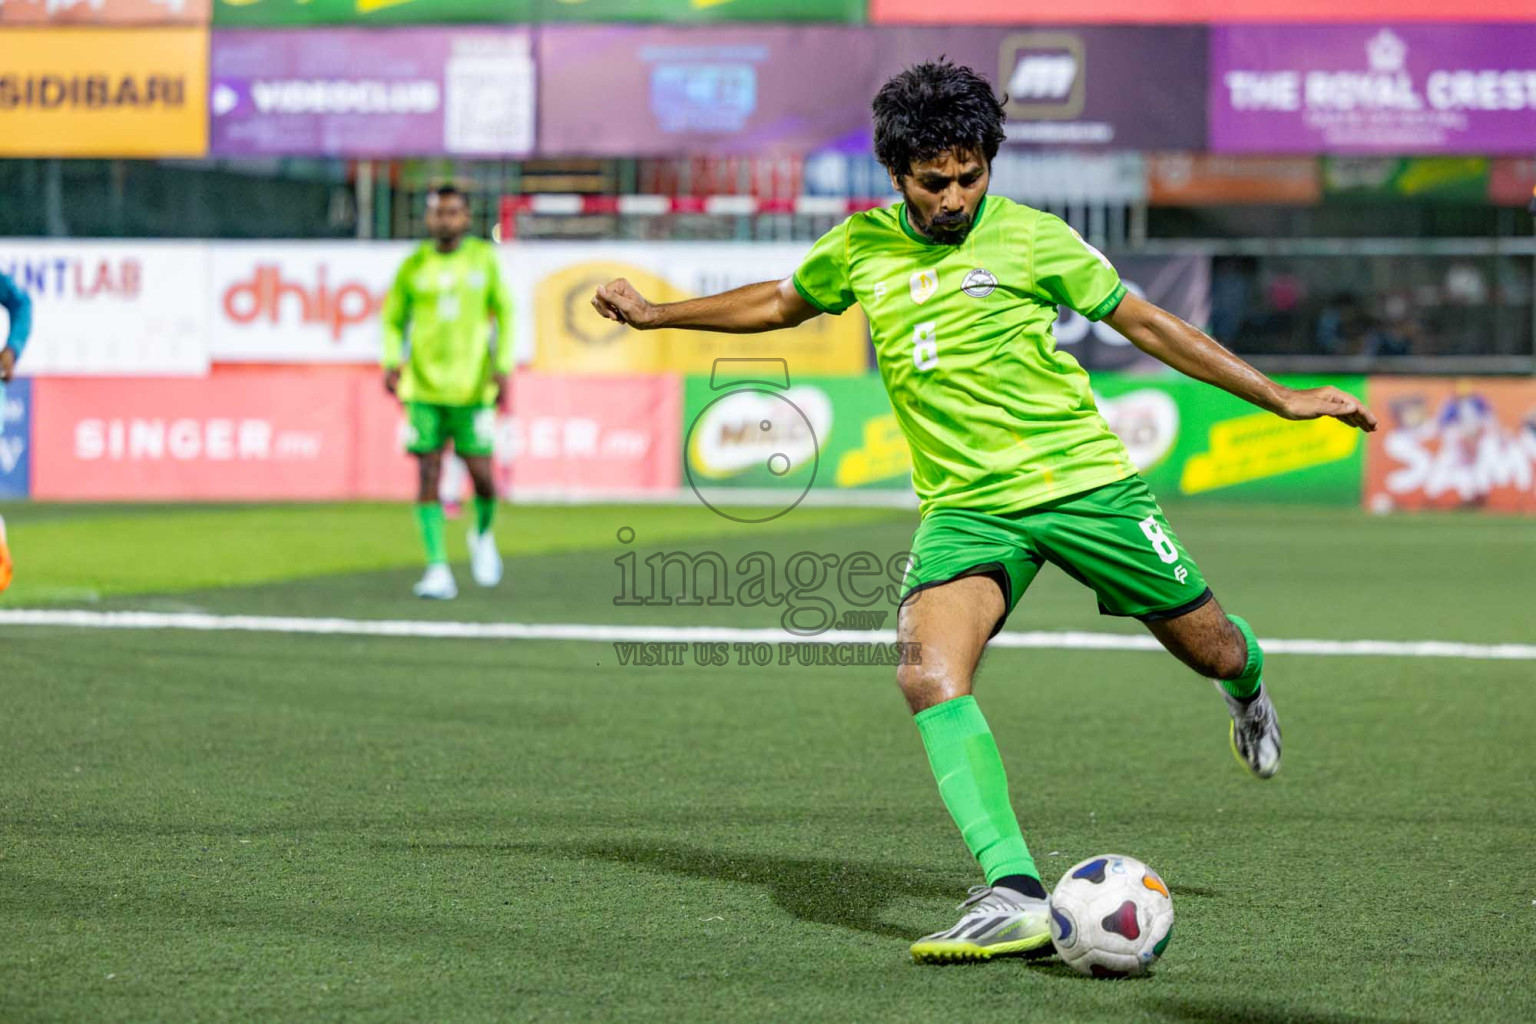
[{"x": 227, "y": 826}]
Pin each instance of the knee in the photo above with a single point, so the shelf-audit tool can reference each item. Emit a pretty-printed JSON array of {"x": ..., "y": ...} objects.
[
  {"x": 924, "y": 685},
  {"x": 1238, "y": 654}
]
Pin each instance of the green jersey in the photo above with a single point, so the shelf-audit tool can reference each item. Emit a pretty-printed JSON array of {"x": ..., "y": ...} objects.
[
  {"x": 447, "y": 301},
  {"x": 997, "y": 419}
]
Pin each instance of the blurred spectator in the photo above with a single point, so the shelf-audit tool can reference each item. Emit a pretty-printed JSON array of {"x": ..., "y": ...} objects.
[{"x": 1396, "y": 332}]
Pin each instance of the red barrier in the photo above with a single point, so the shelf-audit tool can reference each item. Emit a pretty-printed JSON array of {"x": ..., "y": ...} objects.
[
  {"x": 255, "y": 434},
  {"x": 332, "y": 433}
]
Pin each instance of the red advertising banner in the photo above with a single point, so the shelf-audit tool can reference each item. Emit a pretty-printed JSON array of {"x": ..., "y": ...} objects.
[
  {"x": 271, "y": 434},
  {"x": 332, "y": 433},
  {"x": 105, "y": 12},
  {"x": 567, "y": 437},
  {"x": 595, "y": 435},
  {"x": 1012, "y": 12},
  {"x": 1444, "y": 443},
  {"x": 1511, "y": 182}
]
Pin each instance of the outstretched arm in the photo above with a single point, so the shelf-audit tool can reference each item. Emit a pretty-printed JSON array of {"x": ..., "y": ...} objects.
[
  {"x": 765, "y": 306},
  {"x": 1193, "y": 353}
]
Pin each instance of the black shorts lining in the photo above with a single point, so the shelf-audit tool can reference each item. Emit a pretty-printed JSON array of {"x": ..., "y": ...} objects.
[{"x": 992, "y": 570}]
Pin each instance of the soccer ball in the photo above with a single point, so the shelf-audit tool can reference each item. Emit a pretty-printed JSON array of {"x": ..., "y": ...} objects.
[{"x": 1111, "y": 916}]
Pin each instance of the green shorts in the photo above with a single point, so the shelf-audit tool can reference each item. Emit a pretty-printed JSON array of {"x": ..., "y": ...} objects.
[
  {"x": 471, "y": 427},
  {"x": 1113, "y": 539}
]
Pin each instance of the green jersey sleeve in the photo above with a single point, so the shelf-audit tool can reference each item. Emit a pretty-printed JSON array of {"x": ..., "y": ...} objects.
[
  {"x": 822, "y": 279},
  {"x": 1072, "y": 273}
]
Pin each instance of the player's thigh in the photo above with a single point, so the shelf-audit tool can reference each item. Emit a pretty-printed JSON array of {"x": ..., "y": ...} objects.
[
  {"x": 953, "y": 544},
  {"x": 426, "y": 428},
  {"x": 965, "y": 573},
  {"x": 473, "y": 428},
  {"x": 1116, "y": 540}
]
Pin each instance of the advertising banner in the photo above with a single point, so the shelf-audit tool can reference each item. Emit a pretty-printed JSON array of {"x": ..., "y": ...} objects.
[
  {"x": 1179, "y": 284},
  {"x": 639, "y": 91},
  {"x": 355, "y": 92},
  {"x": 1444, "y": 443},
  {"x": 1130, "y": 88},
  {"x": 554, "y": 284},
  {"x": 15, "y": 438},
  {"x": 1375, "y": 179},
  {"x": 1511, "y": 182},
  {"x": 101, "y": 92},
  {"x": 1191, "y": 440},
  {"x": 1012, "y": 12},
  {"x": 823, "y": 433},
  {"x": 1188, "y": 439},
  {"x": 1369, "y": 89},
  {"x": 300, "y": 302},
  {"x": 401, "y": 12},
  {"x": 592, "y": 436},
  {"x": 319, "y": 302},
  {"x": 236, "y": 435},
  {"x": 1200, "y": 179},
  {"x": 104, "y": 12},
  {"x": 566, "y": 438},
  {"x": 104, "y": 307}
]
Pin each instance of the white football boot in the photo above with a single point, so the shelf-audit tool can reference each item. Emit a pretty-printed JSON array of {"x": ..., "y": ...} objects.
[
  {"x": 485, "y": 563},
  {"x": 996, "y": 922},
  {"x": 1255, "y": 732},
  {"x": 436, "y": 583}
]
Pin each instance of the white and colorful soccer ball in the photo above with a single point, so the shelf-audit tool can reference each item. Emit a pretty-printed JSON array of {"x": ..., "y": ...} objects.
[{"x": 1111, "y": 916}]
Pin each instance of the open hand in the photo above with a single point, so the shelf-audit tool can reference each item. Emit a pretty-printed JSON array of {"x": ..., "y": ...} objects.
[
  {"x": 1313, "y": 403},
  {"x": 618, "y": 300}
]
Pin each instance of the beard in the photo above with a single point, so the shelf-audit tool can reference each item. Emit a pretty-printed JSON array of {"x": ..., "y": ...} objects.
[{"x": 948, "y": 229}]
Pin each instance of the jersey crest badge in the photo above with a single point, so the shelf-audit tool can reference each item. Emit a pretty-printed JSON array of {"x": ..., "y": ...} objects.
[
  {"x": 924, "y": 283},
  {"x": 979, "y": 283}
]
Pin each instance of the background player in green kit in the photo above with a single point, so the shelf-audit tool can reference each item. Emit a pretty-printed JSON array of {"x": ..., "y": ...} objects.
[
  {"x": 1011, "y": 460},
  {"x": 450, "y": 377}
]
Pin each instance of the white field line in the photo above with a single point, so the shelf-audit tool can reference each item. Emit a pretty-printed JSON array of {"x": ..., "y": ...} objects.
[{"x": 673, "y": 634}]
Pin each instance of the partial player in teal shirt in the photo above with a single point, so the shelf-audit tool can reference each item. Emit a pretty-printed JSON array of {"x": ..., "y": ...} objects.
[
  {"x": 1011, "y": 460},
  {"x": 18, "y": 309},
  {"x": 441, "y": 360}
]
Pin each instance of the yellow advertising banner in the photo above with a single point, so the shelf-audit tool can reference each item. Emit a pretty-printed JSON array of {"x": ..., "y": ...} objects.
[
  {"x": 105, "y": 12},
  {"x": 570, "y": 337},
  {"x": 104, "y": 92}
]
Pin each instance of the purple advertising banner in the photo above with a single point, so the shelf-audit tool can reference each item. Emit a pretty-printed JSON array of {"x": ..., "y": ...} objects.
[
  {"x": 654, "y": 91},
  {"x": 1374, "y": 89},
  {"x": 371, "y": 92}
]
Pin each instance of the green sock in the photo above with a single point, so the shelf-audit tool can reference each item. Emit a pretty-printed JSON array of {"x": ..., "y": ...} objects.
[
  {"x": 430, "y": 518},
  {"x": 485, "y": 513},
  {"x": 1247, "y": 684},
  {"x": 974, "y": 786}
]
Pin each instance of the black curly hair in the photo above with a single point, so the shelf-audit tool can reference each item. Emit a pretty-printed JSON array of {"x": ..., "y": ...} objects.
[{"x": 932, "y": 107}]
